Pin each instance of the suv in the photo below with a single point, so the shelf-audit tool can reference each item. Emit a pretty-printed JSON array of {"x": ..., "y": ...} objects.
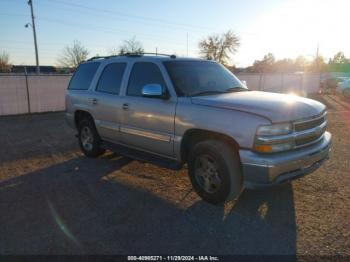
[{"x": 174, "y": 111}]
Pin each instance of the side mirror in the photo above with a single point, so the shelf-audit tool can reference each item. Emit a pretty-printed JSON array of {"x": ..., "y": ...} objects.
[
  {"x": 244, "y": 83},
  {"x": 154, "y": 90}
]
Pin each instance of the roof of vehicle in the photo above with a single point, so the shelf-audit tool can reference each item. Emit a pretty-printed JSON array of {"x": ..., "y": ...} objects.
[{"x": 145, "y": 56}]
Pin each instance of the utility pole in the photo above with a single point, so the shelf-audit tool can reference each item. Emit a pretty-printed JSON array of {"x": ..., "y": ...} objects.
[
  {"x": 318, "y": 65},
  {"x": 30, "y": 3},
  {"x": 187, "y": 44},
  {"x": 317, "y": 56}
]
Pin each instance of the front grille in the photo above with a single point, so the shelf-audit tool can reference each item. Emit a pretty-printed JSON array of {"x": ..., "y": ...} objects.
[
  {"x": 310, "y": 131},
  {"x": 307, "y": 140},
  {"x": 309, "y": 124}
]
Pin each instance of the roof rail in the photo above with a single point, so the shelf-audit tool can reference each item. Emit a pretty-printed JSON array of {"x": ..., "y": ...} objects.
[
  {"x": 156, "y": 54},
  {"x": 101, "y": 57},
  {"x": 130, "y": 55}
]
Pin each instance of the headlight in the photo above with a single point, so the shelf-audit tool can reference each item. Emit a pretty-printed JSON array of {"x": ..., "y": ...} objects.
[
  {"x": 274, "y": 130},
  {"x": 265, "y": 142}
]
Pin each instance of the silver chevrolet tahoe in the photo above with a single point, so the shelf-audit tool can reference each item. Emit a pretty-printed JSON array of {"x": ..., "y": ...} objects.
[{"x": 175, "y": 111}]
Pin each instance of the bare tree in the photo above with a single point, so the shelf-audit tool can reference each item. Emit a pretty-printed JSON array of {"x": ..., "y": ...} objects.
[
  {"x": 219, "y": 47},
  {"x": 5, "y": 66},
  {"x": 130, "y": 46},
  {"x": 72, "y": 56}
]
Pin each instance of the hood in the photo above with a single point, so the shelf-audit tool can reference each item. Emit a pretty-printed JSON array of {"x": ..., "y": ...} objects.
[{"x": 274, "y": 106}]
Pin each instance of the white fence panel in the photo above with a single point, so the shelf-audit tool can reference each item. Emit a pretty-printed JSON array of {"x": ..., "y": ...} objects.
[
  {"x": 13, "y": 95},
  {"x": 282, "y": 83},
  {"x": 46, "y": 92},
  {"x": 253, "y": 80},
  {"x": 311, "y": 83},
  {"x": 292, "y": 83},
  {"x": 272, "y": 83}
]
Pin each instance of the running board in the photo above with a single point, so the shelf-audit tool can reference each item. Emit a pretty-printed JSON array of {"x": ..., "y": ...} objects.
[{"x": 142, "y": 156}]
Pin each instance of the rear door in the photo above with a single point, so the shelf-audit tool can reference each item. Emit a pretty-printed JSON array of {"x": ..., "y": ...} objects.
[
  {"x": 106, "y": 101},
  {"x": 147, "y": 123}
]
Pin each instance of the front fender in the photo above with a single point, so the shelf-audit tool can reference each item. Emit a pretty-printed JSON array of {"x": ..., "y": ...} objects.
[{"x": 240, "y": 126}]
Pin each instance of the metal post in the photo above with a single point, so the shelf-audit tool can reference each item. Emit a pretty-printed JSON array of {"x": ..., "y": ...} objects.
[
  {"x": 301, "y": 84},
  {"x": 260, "y": 79},
  {"x": 30, "y": 3},
  {"x": 187, "y": 44},
  {"x": 27, "y": 89}
]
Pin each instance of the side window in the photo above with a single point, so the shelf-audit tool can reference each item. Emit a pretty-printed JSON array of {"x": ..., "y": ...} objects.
[
  {"x": 111, "y": 78},
  {"x": 83, "y": 76},
  {"x": 144, "y": 73}
]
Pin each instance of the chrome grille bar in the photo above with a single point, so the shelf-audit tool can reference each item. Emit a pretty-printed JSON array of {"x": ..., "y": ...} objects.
[{"x": 300, "y": 137}]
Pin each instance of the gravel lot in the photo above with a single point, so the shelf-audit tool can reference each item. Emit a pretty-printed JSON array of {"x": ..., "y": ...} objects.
[{"x": 55, "y": 201}]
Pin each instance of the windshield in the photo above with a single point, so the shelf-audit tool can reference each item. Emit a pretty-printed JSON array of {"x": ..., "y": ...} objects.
[{"x": 192, "y": 78}]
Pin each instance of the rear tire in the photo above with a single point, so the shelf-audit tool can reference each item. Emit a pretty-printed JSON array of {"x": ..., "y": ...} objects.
[
  {"x": 89, "y": 140},
  {"x": 215, "y": 171}
]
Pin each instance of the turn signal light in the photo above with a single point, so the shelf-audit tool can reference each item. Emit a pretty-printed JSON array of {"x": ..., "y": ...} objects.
[{"x": 263, "y": 148}]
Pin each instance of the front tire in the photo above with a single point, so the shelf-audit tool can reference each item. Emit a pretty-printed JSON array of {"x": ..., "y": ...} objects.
[
  {"x": 89, "y": 140},
  {"x": 215, "y": 172}
]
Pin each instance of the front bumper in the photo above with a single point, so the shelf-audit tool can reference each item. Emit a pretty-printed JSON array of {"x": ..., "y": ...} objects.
[{"x": 269, "y": 169}]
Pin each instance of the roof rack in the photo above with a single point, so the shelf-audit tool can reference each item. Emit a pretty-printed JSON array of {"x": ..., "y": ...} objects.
[{"x": 130, "y": 55}]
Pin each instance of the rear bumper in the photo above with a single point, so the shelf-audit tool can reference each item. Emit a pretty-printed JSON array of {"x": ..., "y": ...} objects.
[{"x": 261, "y": 170}]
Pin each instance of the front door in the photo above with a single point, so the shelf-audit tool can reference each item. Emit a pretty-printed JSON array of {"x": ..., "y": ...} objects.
[{"x": 147, "y": 123}]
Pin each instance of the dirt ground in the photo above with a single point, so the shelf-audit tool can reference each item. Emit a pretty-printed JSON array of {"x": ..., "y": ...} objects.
[{"x": 55, "y": 201}]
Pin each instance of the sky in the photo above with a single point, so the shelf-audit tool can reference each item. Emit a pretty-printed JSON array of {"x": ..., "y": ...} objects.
[{"x": 286, "y": 28}]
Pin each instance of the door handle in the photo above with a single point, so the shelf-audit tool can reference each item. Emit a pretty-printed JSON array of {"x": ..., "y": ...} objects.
[
  {"x": 125, "y": 106},
  {"x": 94, "y": 101}
]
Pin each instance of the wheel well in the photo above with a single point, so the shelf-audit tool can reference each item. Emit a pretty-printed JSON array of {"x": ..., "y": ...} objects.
[
  {"x": 193, "y": 136},
  {"x": 79, "y": 115}
]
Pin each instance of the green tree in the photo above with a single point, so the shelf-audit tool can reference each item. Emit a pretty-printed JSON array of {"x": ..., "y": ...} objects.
[
  {"x": 266, "y": 65},
  {"x": 73, "y": 55},
  {"x": 5, "y": 66},
  {"x": 339, "y": 58},
  {"x": 317, "y": 65},
  {"x": 219, "y": 47},
  {"x": 301, "y": 63},
  {"x": 285, "y": 65}
]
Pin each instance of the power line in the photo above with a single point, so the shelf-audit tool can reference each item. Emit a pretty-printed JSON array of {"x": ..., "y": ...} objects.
[
  {"x": 151, "y": 19},
  {"x": 105, "y": 30},
  {"x": 8, "y": 14},
  {"x": 120, "y": 19}
]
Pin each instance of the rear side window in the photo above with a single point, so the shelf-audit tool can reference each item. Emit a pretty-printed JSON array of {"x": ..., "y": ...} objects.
[
  {"x": 111, "y": 78},
  {"x": 83, "y": 76},
  {"x": 144, "y": 73}
]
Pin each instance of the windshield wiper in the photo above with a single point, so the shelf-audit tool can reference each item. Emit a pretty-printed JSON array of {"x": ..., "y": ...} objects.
[
  {"x": 208, "y": 92},
  {"x": 236, "y": 89},
  {"x": 214, "y": 92}
]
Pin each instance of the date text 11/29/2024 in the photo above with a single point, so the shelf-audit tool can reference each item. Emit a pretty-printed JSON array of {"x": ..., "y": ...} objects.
[{"x": 173, "y": 258}]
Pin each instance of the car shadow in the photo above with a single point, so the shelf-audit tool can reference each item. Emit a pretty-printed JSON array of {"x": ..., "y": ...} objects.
[{"x": 75, "y": 208}]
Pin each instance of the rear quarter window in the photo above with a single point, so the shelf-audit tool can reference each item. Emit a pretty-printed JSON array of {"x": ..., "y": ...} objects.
[{"x": 83, "y": 76}]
